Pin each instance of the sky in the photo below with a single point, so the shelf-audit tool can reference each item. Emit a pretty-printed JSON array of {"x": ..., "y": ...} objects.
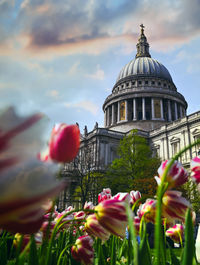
[{"x": 63, "y": 57}]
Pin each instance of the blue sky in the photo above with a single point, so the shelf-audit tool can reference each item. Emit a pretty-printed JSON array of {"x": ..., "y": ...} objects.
[{"x": 63, "y": 57}]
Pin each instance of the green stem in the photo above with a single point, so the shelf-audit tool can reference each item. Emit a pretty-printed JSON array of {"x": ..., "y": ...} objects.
[{"x": 160, "y": 192}]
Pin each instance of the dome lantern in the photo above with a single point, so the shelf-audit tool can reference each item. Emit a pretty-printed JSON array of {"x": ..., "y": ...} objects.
[{"x": 142, "y": 45}]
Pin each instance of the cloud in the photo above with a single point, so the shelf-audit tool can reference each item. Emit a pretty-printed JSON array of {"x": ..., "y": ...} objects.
[
  {"x": 84, "y": 105},
  {"x": 99, "y": 74},
  {"x": 74, "y": 68},
  {"x": 53, "y": 93},
  {"x": 67, "y": 27}
]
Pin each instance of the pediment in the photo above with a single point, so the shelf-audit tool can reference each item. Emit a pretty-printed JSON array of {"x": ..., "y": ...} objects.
[
  {"x": 196, "y": 132},
  {"x": 174, "y": 139}
]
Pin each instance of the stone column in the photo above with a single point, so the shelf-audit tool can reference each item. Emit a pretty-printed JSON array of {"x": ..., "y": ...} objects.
[
  {"x": 105, "y": 118},
  {"x": 181, "y": 112},
  {"x": 175, "y": 108},
  {"x": 143, "y": 109},
  {"x": 152, "y": 109},
  {"x": 169, "y": 111},
  {"x": 161, "y": 109},
  {"x": 113, "y": 114},
  {"x": 134, "y": 110},
  {"x": 126, "y": 110},
  {"x": 118, "y": 111},
  {"x": 108, "y": 116}
]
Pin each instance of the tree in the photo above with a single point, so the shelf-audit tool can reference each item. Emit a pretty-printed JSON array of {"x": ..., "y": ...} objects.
[{"x": 135, "y": 166}]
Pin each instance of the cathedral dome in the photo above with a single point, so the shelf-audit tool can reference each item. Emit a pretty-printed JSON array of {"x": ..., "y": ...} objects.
[
  {"x": 144, "y": 67},
  {"x": 144, "y": 96}
]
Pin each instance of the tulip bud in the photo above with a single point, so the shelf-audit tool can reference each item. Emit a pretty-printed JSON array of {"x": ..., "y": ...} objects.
[
  {"x": 104, "y": 195},
  {"x": 83, "y": 250},
  {"x": 135, "y": 196},
  {"x": 64, "y": 143}
]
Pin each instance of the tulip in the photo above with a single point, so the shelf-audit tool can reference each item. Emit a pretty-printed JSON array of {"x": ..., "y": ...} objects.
[
  {"x": 195, "y": 168},
  {"x": 24, "y": 193},
  {"x": 135, "y": 196},
  {"x": 176, "y": 233},
  {"x": 104, "y": 195},
  {"x": 83, "y": 250},
  {"x": 136, "y": 222},
  {"x": 26, "y": 240},
  {"x": 176, "y": 176},
  {"x": 122, "y": 196},
  {"x": 111, "y": 214},
  {"x": 88, "y": 206},
  {"x": 174, "y": 206},
  {"x": 64, "y": 143},
  {"x": 148, "y": 210},
  {"x": 94, "y": 228}
]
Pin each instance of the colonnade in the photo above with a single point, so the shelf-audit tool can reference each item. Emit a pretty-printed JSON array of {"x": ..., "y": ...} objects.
[{"x": 136, "y": 109}]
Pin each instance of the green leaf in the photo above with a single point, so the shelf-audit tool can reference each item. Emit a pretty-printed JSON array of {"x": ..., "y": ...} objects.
[
  {"x": 144, "y": 256},
  {"x": 3, "y": 252},
  {"x": 33, "y": 256},
  {"x": 173, "y": 257},
  {"x": 189, "y": 248},
  {"x": 113, "y": 252}
]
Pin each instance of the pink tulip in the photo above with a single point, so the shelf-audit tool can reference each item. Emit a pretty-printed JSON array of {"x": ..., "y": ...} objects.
[
  {"x": 94, "y": 228},
  {"x": 64, "y": 143},
  {"x": 135, "y": 196},
  {"x": 174, "y": 206},
  {"x": 148, "y": 210},
  {"x": 104, "y": 195},
  {"x": 176, "y": 176},
  {"x": 195, "y": 168},
  {"x": 176, "y": 233},
  {"x": 83, "y": 250},
  {"x": 111, "y": 214}
]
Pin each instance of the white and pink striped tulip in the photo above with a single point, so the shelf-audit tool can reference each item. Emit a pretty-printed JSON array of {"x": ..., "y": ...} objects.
[
  {"x": 111, "y": 214},
  {"x": 175, "y": 233},
  {"x": 94, "y": 228},
  {"x": 174, "y": 205},
  {"x": 195, "y": 168},
  {"x": 83, "y": 250},
  {"x": 176, "y": 176}
]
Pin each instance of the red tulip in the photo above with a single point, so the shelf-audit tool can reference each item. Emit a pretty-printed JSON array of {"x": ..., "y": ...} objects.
[{"x": 64, "y": 143}]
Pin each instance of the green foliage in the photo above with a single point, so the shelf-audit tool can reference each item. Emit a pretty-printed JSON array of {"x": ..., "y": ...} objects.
[{"x": 135, "y": 163}]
